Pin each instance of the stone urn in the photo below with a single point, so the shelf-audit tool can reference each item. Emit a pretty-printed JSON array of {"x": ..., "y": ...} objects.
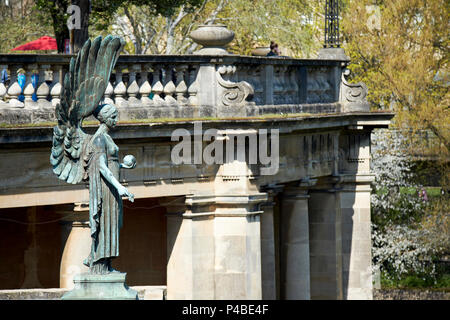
[
  {"x": 260, "y": 51},
  {"x": 213, "y": 38}
]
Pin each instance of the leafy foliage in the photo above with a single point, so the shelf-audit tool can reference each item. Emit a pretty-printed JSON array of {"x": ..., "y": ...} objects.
[
  {"x": 101, "y": 14},
  {"x": 399, "y": 48},
  {"x": 294, "y": 24},
  {"x": 22, "y": 24}
]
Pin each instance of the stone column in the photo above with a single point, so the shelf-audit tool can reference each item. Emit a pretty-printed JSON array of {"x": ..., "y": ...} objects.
[
  {"x": 215, "y": 248},
  {"x": 354, "y": 199},
  {"x": 179, "y": 251},
  {"x": 30, "y": 256},
  {"x": 77, "y": 243},
  {"x": 269, "y": 263},
  {"x": 295, "y": 265},
  {"x": 325, "y": 239}
]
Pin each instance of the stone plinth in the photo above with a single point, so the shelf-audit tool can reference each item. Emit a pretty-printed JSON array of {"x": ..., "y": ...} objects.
[{"x": 100, "y": 287}]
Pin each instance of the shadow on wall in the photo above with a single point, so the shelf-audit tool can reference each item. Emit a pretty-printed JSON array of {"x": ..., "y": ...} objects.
[
  {"x": 30, "y": 249},
  {"x": 32, "y": 242}
]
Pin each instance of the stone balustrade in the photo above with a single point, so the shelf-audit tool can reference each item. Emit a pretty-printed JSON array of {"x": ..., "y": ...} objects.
[{"x": 155, "y": 86}]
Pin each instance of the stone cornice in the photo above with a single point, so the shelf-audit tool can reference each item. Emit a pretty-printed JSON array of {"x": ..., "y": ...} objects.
[
  {"x": 175, "y": 59},
  {"x": 142, "y": 130}
]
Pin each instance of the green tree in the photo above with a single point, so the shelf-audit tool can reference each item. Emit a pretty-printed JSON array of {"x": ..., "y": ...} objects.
[
  {"x": 294, "y": 24},
  {"x": 148, "y": 32},
  {"x": 21, "y": 23},
  {"x": 99, "y": 12},
  {"x": 399, "y": 48}
]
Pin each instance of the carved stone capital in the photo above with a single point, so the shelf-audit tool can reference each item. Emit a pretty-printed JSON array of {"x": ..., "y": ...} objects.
[{"x": 224, "y": 205}]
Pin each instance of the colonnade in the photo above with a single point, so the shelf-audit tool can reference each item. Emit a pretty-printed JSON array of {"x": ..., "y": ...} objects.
[{"x": 297, "y": 241}]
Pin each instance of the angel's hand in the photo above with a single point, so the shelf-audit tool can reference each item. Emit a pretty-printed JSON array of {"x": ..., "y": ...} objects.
[{"x": 124, "y": 192}]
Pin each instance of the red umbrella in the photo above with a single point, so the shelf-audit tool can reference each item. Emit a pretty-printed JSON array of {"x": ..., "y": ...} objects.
[{"x": 43, "y": 43}]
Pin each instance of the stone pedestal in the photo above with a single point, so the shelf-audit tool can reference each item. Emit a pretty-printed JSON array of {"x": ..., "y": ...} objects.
[
  {"x": 295, "y": 265},
  {"x": 217, "y": 244},
  {"x": 333, "y": 54},
  {"x": 100, "y": 287}
]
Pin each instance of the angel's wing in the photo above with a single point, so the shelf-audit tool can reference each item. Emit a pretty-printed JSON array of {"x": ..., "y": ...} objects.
[{"x": 83, "y": 89}]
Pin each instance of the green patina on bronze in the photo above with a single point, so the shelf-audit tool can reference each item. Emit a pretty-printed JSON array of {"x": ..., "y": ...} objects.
[{"x": 77, "y": 156}]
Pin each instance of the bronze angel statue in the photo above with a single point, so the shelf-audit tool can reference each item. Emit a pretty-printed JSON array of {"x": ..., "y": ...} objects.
[{"x": 77, "y": 156}]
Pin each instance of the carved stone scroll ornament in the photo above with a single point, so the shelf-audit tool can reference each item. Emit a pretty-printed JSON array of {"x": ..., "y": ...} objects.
[
  {"x": 353, "y": 95},
  {"x": 235, "y": 93}
]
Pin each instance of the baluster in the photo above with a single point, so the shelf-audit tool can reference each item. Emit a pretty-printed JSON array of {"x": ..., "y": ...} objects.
[
  {"x": 288, "y": 84},
  {"x": 282, "y": 82},
  {"x": 283, "y": 85},
  {"x": 243, "y": 73},
  {"x": 257, "y": 85},
  {"x": 169, "y": 86},
  {"x": 108, "y": 94},
  {"x": 133, "y": 87},
  {"x": 120, "y": 89},
  {"x": 276, "y": 85},
  {"x": 157, "y": 87},
  {"x": 28, "y": 90},
  {"x": 276, "y": 82},
  {"x": 145, "y": 87},
  {"x": 193, "y": 87},
  {"x": 14, "y": 89},
  {"x": 295, "y": 86},
  {"x": 2, "y": 85},
  {"x": 43, "y": 89},
  {"x": 181, "y": 88},
  {"x": 57, "y": 83}
]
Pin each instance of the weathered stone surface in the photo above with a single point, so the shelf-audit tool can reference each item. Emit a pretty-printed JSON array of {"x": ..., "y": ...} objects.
[
  {"x": 16, "y": 116},
  {"x": 144, "y": 293},
  {"x": 100, "y": 287}
]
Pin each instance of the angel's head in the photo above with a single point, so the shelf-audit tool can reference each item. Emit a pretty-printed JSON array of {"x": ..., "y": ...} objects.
[{"x": 107, "y": 114}]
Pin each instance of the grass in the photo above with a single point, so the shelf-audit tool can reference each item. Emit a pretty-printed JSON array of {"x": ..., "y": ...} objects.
[
  {"x": 431, "y": 191},
  {"x": 440, "y": 283}
]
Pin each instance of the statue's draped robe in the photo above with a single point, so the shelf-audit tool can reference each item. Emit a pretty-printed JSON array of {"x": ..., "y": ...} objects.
[{"x": 105, "y": 204}]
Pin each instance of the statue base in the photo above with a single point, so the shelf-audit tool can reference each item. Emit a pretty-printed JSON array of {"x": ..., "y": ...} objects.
[{"x": 109, "y": 286}]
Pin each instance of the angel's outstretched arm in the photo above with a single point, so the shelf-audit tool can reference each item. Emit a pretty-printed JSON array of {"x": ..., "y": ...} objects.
[{"x": 107, "y": 174}]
